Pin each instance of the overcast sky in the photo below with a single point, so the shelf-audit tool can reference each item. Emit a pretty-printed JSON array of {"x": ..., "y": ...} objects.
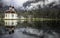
[{"x": 32, "y": 5}]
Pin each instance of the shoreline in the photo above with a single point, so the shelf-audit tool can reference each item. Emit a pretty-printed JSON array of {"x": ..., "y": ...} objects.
[{"x": 34, "y": 19}]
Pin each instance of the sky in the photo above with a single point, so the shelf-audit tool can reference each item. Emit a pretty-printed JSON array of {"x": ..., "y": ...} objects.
[
  {"x": 29, "y": 4},
  {"x": 16, "y": 3}
]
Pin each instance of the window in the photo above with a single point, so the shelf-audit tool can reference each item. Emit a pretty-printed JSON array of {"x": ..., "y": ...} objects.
[
  {"x": 6, "y": 15},
  {"x": 12, "y": 15}
]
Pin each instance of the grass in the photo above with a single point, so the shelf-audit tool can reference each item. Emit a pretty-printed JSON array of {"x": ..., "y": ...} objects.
[
  {"x": 43, "y": 19},
  {"x": 34, "y": 19}
]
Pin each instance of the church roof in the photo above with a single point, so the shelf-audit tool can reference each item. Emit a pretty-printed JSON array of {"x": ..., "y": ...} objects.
[{"x": 8, "y": 11}]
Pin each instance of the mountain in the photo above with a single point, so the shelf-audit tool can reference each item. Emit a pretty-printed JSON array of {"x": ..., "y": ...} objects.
[{"x": 36, "y": 4}]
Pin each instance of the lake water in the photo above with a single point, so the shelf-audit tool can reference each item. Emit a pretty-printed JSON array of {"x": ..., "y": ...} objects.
[{"x": 49, "y": 29}]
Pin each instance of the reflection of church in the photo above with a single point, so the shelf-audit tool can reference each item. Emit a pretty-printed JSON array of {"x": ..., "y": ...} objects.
[
  {"x": 10, "y": 13},
  {"x": 10, "y": 25},
  {"x": 10, "y": 22}
]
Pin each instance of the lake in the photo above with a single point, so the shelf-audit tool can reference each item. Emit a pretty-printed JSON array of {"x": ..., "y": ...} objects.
[{"x": 31, "y": 29}]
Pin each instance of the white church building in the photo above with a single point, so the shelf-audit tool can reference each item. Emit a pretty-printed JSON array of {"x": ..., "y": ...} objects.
[{"x": 10, "y": 13}]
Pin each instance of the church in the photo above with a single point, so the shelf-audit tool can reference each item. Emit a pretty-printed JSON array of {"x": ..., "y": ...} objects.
[{"x": 10, "y": 14}]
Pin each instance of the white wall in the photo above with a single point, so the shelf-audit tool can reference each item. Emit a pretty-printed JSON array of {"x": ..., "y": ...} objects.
[{"x": 11, "y": 16}]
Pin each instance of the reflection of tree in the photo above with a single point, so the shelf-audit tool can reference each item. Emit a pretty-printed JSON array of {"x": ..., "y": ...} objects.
[{"x": 1, "y": 22}]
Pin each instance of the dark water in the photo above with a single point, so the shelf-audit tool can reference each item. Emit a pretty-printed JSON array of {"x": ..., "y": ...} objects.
[{"x": 48, "y": 29}]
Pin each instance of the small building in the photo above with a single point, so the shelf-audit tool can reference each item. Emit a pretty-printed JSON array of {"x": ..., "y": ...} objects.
[{"x": 10, "y": 13}]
